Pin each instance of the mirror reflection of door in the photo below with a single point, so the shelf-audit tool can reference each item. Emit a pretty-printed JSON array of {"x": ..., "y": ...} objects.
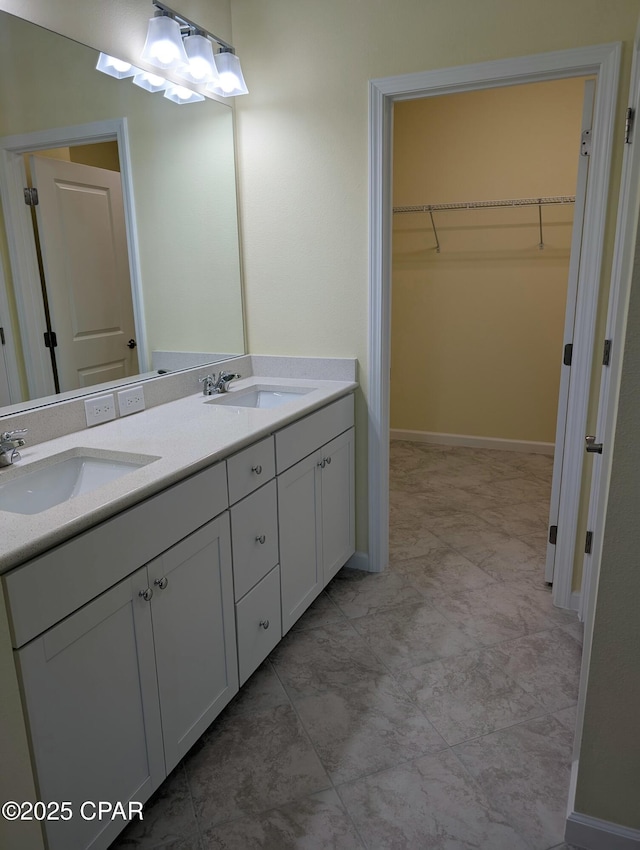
[
  {"x": 81, "y": 238},
  {"x": 5, "y": 397}
]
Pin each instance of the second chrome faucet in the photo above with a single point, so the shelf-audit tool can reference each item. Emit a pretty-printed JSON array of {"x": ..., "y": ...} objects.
[{"x": 213, "y": 385}]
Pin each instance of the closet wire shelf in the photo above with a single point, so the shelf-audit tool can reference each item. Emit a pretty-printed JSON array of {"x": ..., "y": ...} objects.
[{"x": 477, "y": 205}]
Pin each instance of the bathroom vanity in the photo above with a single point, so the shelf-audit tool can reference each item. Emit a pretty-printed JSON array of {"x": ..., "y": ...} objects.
[{"x": 143, "y": 607}]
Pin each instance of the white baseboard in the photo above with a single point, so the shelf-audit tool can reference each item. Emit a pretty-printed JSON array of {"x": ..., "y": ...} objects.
[
  {"x": 574, "y": 602},
  {"x": 473, "y": 442},
  {"x": 359, "y": 561},
  {"x": 595, "y": 834}
]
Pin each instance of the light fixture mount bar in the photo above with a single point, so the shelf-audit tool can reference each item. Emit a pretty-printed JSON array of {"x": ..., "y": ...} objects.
[{"x": 162, "y": 7}]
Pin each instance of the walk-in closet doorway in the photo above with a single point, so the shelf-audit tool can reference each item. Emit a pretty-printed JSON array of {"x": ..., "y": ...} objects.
[{"x": 488, "y": 203}]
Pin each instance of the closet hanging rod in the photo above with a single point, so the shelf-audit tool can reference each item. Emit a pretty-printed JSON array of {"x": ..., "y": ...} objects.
[{"x": 475, "y": 205}]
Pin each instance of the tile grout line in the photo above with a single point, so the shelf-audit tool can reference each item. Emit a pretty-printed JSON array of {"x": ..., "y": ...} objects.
[{"x": 329, "y": 777}]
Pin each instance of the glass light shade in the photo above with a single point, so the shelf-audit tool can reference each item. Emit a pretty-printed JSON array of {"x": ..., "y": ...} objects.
[
  {"x": 150, "y": 82},
  {"x": 202, "y": 68},
  {"x": 115, "y": 67},
  {"x": 231, "y": 82},
  {"x": 163, "y": 47},
  {"x": 180, "y": 94}
]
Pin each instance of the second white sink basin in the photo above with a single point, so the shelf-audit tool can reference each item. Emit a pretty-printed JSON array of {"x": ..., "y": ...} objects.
[
  {"x": 60, "y": 479},
  {"x": 262, "y": 397}
]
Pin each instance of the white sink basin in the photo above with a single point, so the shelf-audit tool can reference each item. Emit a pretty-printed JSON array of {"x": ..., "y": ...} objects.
[
  {"x": 262, "y": 397},
  {"x": 58, "y": 480}
]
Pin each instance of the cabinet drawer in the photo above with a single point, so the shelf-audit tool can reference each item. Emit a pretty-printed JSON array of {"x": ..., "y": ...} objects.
[
  {"x": 303, "y": 437},
  {"x": 258, "y": 623},
  {"x": 254, "y": 537},
  {"x": 250, "y": 469},
  {"x": 49, "y": 588}
]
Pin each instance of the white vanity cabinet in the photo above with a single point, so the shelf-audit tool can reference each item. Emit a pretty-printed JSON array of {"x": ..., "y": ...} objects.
[
  {"x": 91, "y": 700},
  {"x": 130, "y": 638},
  {"x": 316, "y": 505},
  {"x": 118, "y": 691}
]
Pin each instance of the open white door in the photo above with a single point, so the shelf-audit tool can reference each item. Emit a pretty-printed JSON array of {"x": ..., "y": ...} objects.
[
  {"x": 626, "y": 264},
  {"x": 83, "y": 241},
  {"x": 559, "y": 457}
]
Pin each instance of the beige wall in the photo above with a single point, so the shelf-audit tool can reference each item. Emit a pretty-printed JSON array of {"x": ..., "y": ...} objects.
[
  {"x": 478, "y": 327},
  {"x": 303, "y": 146},
  {"x": 303, "y": 181}
]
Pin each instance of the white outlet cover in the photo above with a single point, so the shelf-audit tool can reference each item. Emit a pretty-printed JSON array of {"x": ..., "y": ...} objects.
[
  {"x": 131, "y": 400},
  {"x": 99, "y": 409}
]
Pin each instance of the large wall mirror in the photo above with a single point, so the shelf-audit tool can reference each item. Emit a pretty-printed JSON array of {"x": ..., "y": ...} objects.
[{"x": 63, "y": 124}]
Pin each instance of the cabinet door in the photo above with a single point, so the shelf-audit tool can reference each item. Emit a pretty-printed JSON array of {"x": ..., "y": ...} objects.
[
  {"x": 92, "y": 705},
  {"x": 194, "y": 632},
  {"x": 338, "y": 504},
  {"x": 301, "y": 577}
]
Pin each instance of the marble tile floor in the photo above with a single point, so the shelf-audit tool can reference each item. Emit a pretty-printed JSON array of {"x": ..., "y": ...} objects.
[{"x": 430, "y": 706}]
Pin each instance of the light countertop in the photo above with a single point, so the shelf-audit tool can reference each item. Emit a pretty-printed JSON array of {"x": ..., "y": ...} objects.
[{"x": 186, "y": 436}]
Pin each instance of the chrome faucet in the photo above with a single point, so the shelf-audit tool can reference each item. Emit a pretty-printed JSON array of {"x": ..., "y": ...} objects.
[
  {"x": 223, "y": 381},
  {"x": 209, "y": 383},
  {"x": 213, "y": 386},
  {"x": 10, "y": 442}
]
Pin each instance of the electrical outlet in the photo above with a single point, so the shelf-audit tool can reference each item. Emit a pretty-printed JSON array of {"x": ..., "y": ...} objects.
[
  {"x": 131, "y": 400},
  {"x": 99, "y": 409}
]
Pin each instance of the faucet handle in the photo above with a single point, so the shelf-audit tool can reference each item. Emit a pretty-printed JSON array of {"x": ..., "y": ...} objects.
[
  {"x": 12, "y": 435},
  {"x": 206, "y": 378}
]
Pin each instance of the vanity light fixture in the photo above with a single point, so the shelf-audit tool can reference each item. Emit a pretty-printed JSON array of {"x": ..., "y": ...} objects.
[
  {"x": 149, "y": 82},
  {"x": 115, "y": 67},
  {"x": 181, "y": 94},
  {"x": 202, "y": 67},
  {"x": 163, "y": 47},
  {"x": 230, "y": 79},
  {"x": 221, "y": 72}
]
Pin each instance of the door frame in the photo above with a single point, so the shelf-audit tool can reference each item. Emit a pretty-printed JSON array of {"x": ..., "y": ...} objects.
[
  {"x": 602, "y": 61},
  {"x": 22, "y": 251}
]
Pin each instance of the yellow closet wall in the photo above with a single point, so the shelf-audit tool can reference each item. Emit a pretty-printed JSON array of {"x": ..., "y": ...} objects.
[{"x": 477, "y": 329}]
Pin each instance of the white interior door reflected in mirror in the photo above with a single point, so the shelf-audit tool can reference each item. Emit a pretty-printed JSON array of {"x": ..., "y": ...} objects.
[{"x": 83, "y": 241}]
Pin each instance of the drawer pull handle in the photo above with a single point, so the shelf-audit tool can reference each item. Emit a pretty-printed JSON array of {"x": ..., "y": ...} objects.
[
  {"x": 264, "y": 624},
  {"x": 257, "y": 469},
  {"x": 261, "y": 538},
  {"x": 161, "y": 582},
  {"x": 146, "y": 594}
]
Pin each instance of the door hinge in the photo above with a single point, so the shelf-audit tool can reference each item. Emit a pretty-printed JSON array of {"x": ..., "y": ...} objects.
[
  {"x": 585, "y": 144},
  {"x": 553, "y": 534},
  {"x": 50, "y": 339},
  {"x": 31, "y": 197},
  {"x": 588, "y": 543},
  {"x": 606, "y": 356},
  {"x": 568, "y": 354},
  {"x": 2, "y": 342},
  {"x": 628, "y": 126}
]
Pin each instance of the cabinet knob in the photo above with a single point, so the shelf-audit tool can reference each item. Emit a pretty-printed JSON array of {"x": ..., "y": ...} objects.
[
  {"x": 328, "y": 459},
  {"x": 257, "y": 469},
  {"x": 264, "y": 624},
  {"x": 322, "y": 463},
  {"x": 161, "y": 582},
  {"x": 146, "y": 594},
  {"x": 261, "y": 538}
]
